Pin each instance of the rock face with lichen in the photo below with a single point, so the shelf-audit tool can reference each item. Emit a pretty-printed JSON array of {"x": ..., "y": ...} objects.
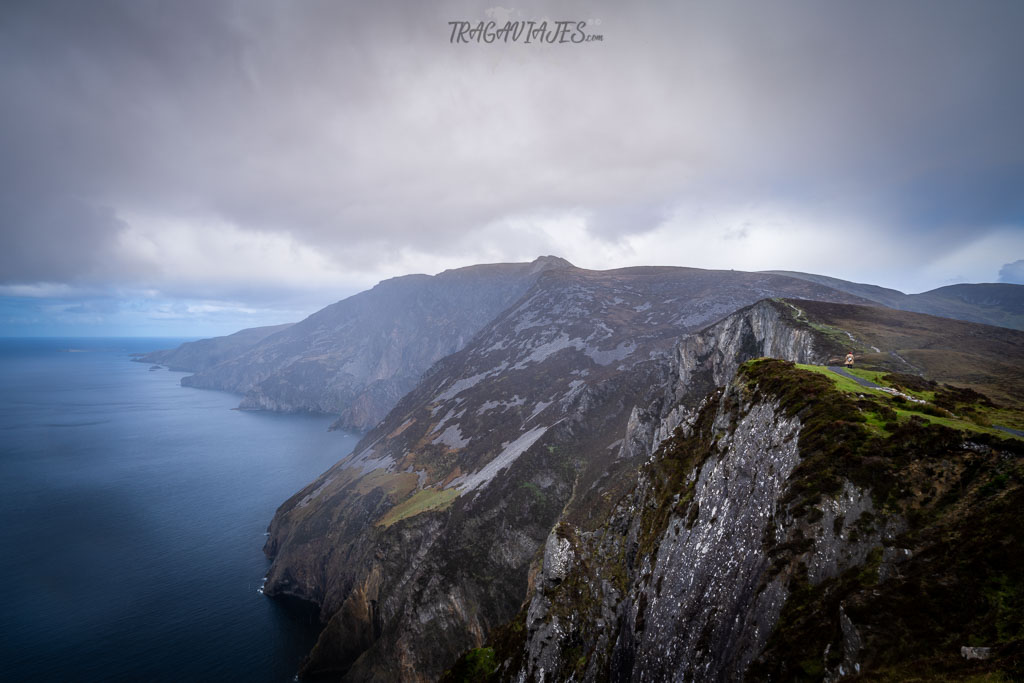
[
  {"x": 611, "y": 601},
  {"x": 777, "y": 535}
]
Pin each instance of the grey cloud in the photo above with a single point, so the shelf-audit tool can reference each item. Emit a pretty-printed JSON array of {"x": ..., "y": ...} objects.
[
  {"x": 610, "y": 222},
  {"x": 358, "y": 128},
  {"x": 54, "y": 239}
]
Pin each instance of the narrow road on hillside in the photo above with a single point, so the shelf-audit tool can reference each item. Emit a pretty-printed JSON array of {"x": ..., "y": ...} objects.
[
  {"x": 871, "y": 385},
  {"x": 859, "y": 380}
]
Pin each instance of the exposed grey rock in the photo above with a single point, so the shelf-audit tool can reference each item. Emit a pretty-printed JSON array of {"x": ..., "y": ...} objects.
[
  {"x": 852, "y": 644},
  {"x": 705, "y": 618},
  {"x": 892, "y": 558},
  {"x": 975, "y": 652},
  {"x": 838, "y": 542}
]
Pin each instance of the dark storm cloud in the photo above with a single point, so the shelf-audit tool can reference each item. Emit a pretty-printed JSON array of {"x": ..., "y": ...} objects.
[{"x": 333, "y": 135}]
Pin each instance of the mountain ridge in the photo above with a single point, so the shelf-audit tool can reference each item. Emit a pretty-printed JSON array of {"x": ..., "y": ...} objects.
[
  {"x": 355, "y": 358},
  {"x": 205, "y": 353},
  {"x": 999, "y": 304}
]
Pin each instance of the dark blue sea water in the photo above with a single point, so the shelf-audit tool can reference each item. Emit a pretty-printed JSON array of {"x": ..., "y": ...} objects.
[{"x": 132, "y": 516}]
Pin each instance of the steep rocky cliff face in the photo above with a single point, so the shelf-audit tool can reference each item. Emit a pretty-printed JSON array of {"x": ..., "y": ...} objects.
[
  {"x": 421, "y": 542},
  {"x": 782, "y": 533},
  {"x": 586, "y": 592}
]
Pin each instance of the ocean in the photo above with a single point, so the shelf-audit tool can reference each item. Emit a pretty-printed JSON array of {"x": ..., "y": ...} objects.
[{"x": 132, "y": 518}]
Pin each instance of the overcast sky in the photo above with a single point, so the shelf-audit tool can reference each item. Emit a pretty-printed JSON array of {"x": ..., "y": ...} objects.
[{"x": 194, "y": 167}]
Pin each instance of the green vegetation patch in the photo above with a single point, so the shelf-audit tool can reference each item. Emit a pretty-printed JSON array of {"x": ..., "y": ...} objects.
[
  {"x": 844, "y": 436},
  {"x": 476, "y": 666},
  {"x": 958, "y": 408},
  {"x": 988, "y": 359},
  {"x": 421, "y": 501},
  {"x": 845, "y": 383},
  {"x": 870, "y": 375}
]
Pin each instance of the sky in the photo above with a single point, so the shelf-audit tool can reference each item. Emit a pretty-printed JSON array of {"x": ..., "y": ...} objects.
[{"x": 194, "y": 167}]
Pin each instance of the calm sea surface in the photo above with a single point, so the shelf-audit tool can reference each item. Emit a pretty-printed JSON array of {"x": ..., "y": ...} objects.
[{"x": 132, "y": 517}]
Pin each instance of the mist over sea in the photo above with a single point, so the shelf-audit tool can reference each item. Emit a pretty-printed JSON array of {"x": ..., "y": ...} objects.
[{"x": 132, "y": 517}]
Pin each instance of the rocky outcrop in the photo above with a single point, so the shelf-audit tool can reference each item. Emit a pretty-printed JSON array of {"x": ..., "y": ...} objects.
[
  {"x": 711, "y": 559},
  {"x": 703, "y": 615},
  {"x": 772, "y": 536},
  {"x": 709, "y": 359},
  {"x": 681, "y": 603}
]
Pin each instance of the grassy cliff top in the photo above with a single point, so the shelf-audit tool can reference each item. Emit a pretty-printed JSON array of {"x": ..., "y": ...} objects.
[{"x": 952, "y": 486}]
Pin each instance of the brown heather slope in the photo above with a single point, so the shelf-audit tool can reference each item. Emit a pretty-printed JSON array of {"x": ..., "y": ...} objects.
[
  {"x": 985, "y": 358},
  {"x": 993, "y": 303}
]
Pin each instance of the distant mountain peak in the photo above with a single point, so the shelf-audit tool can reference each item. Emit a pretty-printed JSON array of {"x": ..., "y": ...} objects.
[
  {"x": 543, "y": 263},
  {"x": 550, "y": 261}
]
